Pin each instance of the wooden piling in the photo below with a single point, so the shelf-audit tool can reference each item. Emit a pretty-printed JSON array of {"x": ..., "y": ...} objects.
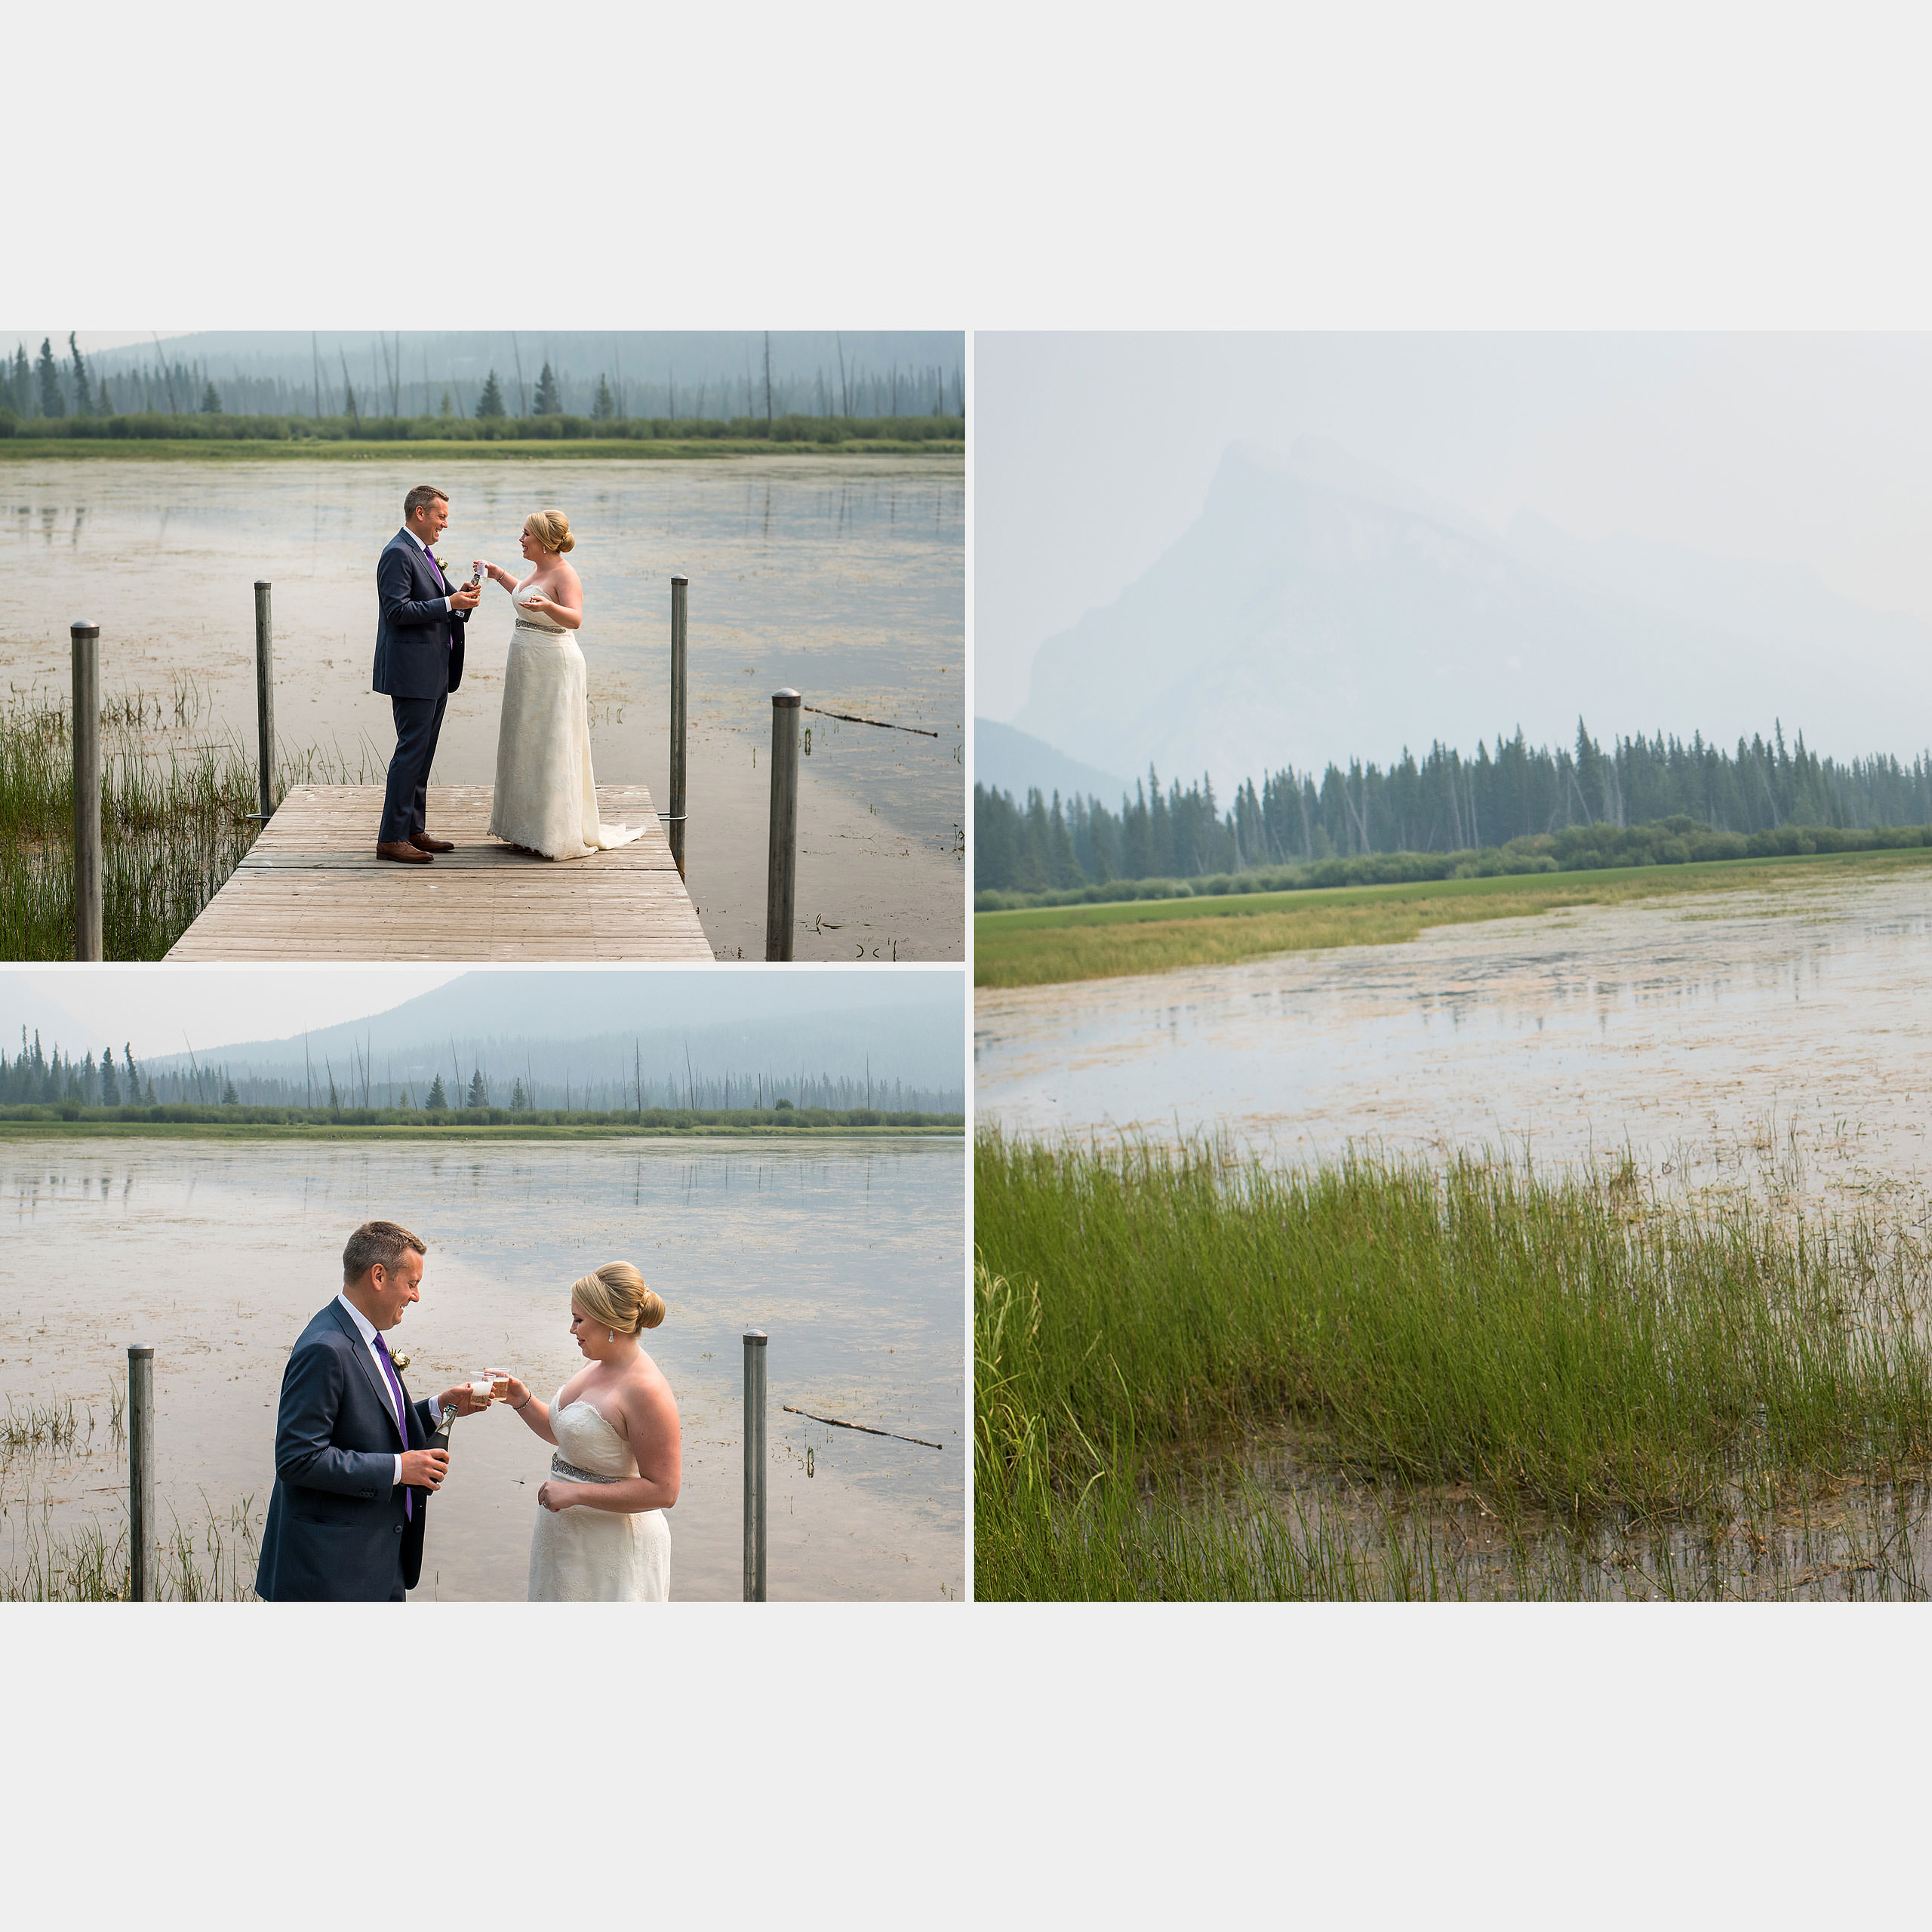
[
  {"x": 88, "y": 938},
  {"x": 140, "y": 1474},
  {"x": 755, "y": 1576},
  {"x": 781, "y": 858},
  {"x": 265, "y": 696},
  {"x": 675, "y": 820}
]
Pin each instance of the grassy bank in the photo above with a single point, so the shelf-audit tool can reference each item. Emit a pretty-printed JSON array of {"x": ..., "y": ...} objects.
[
  {"x": 175, "y": 803},
  {"x": 238, "y": 1123},
  {"x": 1045, "y": 945},
  {"x": 280, "y": 438},
  {"x": 1588, "y": 1375}
]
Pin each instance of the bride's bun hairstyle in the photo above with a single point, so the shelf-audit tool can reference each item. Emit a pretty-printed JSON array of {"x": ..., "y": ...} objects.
[
  {"x": 551, "y": 529},
  {"x": 615, "y": 1295}
]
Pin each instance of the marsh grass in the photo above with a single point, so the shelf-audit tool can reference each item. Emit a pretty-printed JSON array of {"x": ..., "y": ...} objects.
[
  {"x": 175, "y": 807},
  {"x": 1051, "y": 945},
  {"x": 209, "y": 1559},
  {"x": 1605, "y": 1386}
]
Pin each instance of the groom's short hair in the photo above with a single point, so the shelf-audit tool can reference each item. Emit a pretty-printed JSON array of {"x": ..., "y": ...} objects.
[
  {"x": 385, "y": 1241},
  {"x": 424, "y": 493}
]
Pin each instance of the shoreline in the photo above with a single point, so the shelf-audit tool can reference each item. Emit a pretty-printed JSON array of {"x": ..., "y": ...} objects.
[
  {"x": 26, "y": 449},
  {"x": 63, "y": 1130}
]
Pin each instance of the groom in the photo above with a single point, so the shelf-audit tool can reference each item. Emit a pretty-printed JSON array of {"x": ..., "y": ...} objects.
[
  {"x": 353, "y": 1476},
  {"x": 418, "y": 662}
]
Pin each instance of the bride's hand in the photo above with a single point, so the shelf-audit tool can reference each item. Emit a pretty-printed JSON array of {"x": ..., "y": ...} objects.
[
  {"x": 556, "y": 1495},
  {"x": 516, "y": 1395}
]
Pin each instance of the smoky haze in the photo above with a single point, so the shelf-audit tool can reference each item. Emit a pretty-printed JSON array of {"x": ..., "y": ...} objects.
[{"x": 1730, "y": 494}]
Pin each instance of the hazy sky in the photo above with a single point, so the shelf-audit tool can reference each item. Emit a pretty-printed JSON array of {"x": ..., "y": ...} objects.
[
  {"x": 158, "y": 1011},
  {"x": 1093, "y": 452}
]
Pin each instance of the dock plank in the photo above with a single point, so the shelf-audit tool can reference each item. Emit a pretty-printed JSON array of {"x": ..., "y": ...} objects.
[{"x": 311, "y": 888}]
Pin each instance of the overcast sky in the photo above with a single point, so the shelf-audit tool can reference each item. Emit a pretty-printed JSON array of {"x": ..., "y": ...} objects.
[
  {"x": 159, "y": 1011},
  {"x": 1092, "y": 453}
]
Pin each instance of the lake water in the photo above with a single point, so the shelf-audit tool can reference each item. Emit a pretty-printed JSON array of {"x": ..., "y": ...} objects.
[
  {"x": 1704, "y": 1034},
  {"x": 850, "y": 1256},
  {"x": 843, "y": 577}
]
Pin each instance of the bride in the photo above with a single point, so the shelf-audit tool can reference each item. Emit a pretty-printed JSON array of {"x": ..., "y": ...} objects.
[
  {"x": 600, "y": 1536},
  {"x": 545, "y": 797}
]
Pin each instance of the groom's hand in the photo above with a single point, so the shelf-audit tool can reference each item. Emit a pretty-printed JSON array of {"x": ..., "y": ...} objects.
[
  {"x": 425, "y": 1468},
  {"x": 466, "y": 597},
  {"x": 464, "y": 1399}
]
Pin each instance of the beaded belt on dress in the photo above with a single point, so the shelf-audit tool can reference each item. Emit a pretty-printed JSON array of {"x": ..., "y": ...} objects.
[
  {"x": 542, "y": 630},
  {"x": 569, "y": 1472}
]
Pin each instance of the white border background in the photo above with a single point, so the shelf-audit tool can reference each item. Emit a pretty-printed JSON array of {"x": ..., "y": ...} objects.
[{"x": 999, "y": 166}]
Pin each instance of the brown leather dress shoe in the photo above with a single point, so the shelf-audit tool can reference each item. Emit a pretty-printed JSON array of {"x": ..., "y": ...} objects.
[
  {"x": 424, "y": 843},
  {"x": 403, "y": 853}
]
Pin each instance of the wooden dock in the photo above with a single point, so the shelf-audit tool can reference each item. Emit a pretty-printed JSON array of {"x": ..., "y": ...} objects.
[{"x": 311, "y": 887}]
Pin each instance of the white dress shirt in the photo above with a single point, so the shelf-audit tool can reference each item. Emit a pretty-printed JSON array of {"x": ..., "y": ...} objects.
[
  {"x": 367, "y": 1329},
  {"x": 447, "y": 604}
]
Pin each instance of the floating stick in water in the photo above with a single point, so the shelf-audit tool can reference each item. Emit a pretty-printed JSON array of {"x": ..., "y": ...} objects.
[{"x": 865, "y": 1430}]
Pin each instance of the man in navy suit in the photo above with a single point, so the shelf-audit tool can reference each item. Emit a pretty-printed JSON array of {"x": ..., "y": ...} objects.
[
  {"x": 418, "y": 662},
  {"x": 353, "y": 1476}
]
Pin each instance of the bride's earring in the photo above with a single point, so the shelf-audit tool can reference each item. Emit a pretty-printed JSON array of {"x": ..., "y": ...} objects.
[{"x": 613, "y": 1334}]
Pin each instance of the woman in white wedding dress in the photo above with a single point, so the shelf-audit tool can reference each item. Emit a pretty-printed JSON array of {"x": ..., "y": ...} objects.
[
  {"x": 600, "y": 1536},
  {"x": 546, "y": 797}
]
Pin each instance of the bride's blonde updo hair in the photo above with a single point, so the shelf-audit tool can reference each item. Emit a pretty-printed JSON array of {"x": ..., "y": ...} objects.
[
  {"x": 616, "y": 1296},
  {"x": 551, "y": 529}
]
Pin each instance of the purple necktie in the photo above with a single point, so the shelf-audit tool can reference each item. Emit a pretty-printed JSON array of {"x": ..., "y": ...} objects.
[
  {"x": 428, "y": 558},
  {"x": 402, "y": 1422}
]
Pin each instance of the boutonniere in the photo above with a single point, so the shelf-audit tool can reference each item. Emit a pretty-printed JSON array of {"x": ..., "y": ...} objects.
[
  {"x": 442, "y": 565},
  {"x": 399, "y": 1363}
]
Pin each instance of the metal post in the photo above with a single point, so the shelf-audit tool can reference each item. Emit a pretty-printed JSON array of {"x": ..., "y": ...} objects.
[
  {"x": 140, "y": 1474},
  {"x": 88, "y": 943},
  {"x": 680, "y": 589},
  {"x": 755, "y": 1466},
  {"x": 781, "y": 862},
  {"x": 265, "y": 696}
]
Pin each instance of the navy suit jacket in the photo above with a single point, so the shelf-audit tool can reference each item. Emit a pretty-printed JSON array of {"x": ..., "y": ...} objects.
[
  {"x": 335, "y": 1526},
  {"x": 419, "y": 644}
]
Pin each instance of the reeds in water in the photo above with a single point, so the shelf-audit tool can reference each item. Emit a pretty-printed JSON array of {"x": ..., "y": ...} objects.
[
  {"x": 210, "y": 1560},
  {"x": 175, "y": 807},
  {"x": 1592, "y": 1375}
]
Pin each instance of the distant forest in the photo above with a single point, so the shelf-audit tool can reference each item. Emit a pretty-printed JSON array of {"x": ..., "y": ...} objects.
[
  {"x": 39, "y": 1077},
  {"x": 377, "y": 385},
  {"x": 1443, "y": 803}
]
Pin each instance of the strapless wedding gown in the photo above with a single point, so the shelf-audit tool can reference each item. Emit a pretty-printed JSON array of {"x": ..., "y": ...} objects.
[
  {"x": 586, "y": 1555},
  {"x": 545, "y": 797}
]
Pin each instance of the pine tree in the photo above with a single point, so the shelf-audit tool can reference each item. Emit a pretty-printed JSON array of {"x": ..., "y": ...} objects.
[
  {"x": 548, "y": 403},
  {"x": 52, "y": 403},
  {"x": 103, "y": 400},
  {"x": 211, "y": 401},
  {"x": 83, "y": 393},
  {"x": 229, "y": 1098},
  {"x": 446, "y": 409},
  {"x": 21, "y": 380},
  {"x": 603, "y": 406},
  {"x": 438, "y": 1099},
  {"x": 490, "y": 403},
  {"x": 479, "y": 1090},
  {"x": 519, "y": 1100}
]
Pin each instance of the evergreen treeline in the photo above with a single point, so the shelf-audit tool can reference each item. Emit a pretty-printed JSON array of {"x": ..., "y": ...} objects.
[
  {"x": 1513, "y": 796},
  {"x": 36, "y": 1076},
  {"x": 48, "y": 388}
]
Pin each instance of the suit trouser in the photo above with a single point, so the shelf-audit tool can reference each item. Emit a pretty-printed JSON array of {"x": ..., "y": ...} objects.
[{"x": 418, "y": 721}]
